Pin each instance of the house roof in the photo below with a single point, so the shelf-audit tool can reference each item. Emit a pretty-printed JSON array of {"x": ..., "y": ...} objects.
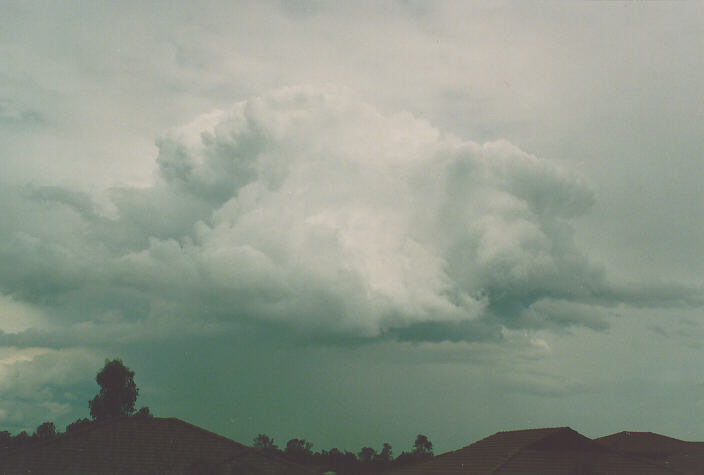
[
  {"x": 558, "y": 450},
  {"x": 687, "y": 457},
  {"x": 141, "y": 445},
  {"x": 642, "y": 443}
]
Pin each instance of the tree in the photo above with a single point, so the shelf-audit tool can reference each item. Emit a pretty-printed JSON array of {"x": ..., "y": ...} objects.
[
  {"x": 118, "y": 392},
  {"x": 264, "y": 442},
  {"x": 384, "y": 456},
  {"x": 298, "y": 450},
  {"x": 78, "y": 424},
  {"x": 337, "y": 461},
  {"x": 422, "y": 447},
  {"x": 47, "y": 430},
  {"x": 143, "y": 412},
  {"x": 366, "y": 455}
]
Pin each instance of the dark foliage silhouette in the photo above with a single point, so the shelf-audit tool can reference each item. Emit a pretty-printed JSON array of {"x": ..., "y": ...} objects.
[
  {"x": 385, "y": 456},
  {"x": 299, "y": 451},
  {"x": 422, "y": 447},
  {"x": 118, "y": 392},
  {"x": 366, "y": 461},
  {"x": 143, "y": 412},
  {"x": 78, "y": 424},
  {"x": 264, "y": 442},
  {"x": 366, "y": 455},
  {"x": 46, "y": 430}
]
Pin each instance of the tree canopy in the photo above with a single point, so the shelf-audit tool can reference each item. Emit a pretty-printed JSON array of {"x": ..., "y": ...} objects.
[
  {"x": 264, "y": 442},
  {"x": 78, "y": 424},
  {"x": 118, "y": 392},
  {"x": 422, "y": 447},
  {"x": 386, "y": 453},
  {"x": 46, "y": 430},
  {"x": 366, "y": 461}
]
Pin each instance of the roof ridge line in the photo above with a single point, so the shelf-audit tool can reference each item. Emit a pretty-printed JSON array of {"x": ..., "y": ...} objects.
[
  {"x": 522, "y": 447},
  {"x": 503, "y": 432},
  {"x": 534, "y": 429},
  {"x": 242, "y": 447},
  {"x": 640, "y": 432},
  {"x": 201, "y": 429},
  {"x": 507, "y": 460}
]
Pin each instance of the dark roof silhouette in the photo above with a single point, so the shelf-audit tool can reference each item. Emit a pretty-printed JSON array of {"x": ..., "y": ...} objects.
[
  {"x": 558, "y": 450},
  {"x": 685, "y": 457},
  {"x": 642, "y": 443},
  {"x": 143, "y": 445}
]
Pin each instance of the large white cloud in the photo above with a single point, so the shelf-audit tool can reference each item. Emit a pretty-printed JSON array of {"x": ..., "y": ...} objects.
[
  {"x": 323, "y": 210},
  {"x": 310, "y": 208}
]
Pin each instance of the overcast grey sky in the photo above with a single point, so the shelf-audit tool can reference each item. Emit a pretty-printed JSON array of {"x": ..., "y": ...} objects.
[{"x": 355, "y": 221}]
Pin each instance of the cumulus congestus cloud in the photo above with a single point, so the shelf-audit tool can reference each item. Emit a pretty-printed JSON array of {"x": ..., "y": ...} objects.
[{"x": 308, "y": 208}]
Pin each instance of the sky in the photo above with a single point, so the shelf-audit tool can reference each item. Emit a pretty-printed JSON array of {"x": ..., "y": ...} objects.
[{"x": 354, "y": 222}]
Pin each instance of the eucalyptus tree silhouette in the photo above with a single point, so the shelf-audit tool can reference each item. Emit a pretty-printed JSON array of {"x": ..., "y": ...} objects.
[
  {"x": 118, "y": 392},
  {"x": 422, "y": 447}
]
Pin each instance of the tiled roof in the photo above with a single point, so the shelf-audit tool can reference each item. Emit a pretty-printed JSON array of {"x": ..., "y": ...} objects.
[
  {"x": 558, "y": 450},
  {"x": 686, "y": 457},
  {"x": 688, "y": 461},
  {"x": 642, "y": 443},
  {"x": 137, "y": 445}
]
